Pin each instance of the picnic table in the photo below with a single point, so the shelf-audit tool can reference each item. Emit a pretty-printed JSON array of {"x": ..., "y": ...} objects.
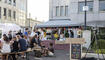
[{"x": 16, "y": 53}]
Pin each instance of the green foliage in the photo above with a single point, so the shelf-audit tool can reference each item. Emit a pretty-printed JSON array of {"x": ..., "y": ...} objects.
[
  {"x": 101, "y": 44},
  {"x": 101, "y": 36},
  {"x": 100, "y": 48},
  {"x": 100, "y": 51}
]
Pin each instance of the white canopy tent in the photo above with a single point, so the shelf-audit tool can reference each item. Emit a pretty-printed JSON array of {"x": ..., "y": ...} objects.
[{"x": 6, "y": 27}]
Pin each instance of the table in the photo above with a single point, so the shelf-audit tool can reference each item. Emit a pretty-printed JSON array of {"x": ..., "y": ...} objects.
[{"x": 16, "y": 53}]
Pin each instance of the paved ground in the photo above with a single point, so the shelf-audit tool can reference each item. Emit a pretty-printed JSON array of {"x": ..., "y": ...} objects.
[
  {"x": 59, "y": 55},
  {"x": 100, "y": 56}
]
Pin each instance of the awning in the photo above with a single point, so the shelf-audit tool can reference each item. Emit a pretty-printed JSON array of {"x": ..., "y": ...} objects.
[
  {"x": 95, "y": 23},
  {"x": 58, "y": 23}
]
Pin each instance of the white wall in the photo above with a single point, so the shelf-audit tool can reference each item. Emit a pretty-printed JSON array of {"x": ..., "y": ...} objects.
[{"x": 74, "y": 14}]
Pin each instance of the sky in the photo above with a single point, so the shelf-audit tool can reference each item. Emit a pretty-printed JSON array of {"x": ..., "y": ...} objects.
[{"x": 39, "y": 9}]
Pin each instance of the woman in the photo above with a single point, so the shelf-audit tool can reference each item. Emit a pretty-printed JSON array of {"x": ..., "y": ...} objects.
[
  {"x": 5, "y": 47},
  {"x": 15, "y": 47}
]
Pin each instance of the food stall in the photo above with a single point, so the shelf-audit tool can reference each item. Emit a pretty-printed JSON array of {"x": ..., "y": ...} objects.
[{"x": 59, "y": 30}]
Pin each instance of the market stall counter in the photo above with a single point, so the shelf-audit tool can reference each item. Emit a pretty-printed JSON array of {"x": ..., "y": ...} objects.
[
  {"x": 75, "y": 47},
  {"x": 65, "y": 47}
]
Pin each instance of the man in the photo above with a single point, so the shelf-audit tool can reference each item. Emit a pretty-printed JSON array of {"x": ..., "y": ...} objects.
[
  {"x": 20, "y": 33},
  {"x": 22, "y": 43},
  {"x": 10, "y": 35}
]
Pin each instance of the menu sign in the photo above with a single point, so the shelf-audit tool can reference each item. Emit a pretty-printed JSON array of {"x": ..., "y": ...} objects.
[{"x": 76, "y": 51}]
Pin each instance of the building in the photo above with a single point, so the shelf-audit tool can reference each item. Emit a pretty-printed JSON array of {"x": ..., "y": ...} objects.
[
  {"x": 32, "y": 22},
  {"x": 73, "y": 10},
  {"x": 13, "y": 11}
]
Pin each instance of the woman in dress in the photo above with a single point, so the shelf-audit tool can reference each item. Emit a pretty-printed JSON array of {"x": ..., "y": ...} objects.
[{"x": 5, "y": 47}]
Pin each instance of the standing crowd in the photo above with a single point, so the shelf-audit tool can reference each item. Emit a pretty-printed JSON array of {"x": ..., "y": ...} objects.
[{"x": 19, "y": 42}]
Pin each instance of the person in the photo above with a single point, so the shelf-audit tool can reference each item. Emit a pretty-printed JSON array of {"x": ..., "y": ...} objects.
[
  {"x": 37, "y": 32},
  {"x": 26, "y": 32},
  {"x": 29, "y": 33},
  {"x": 15, "y": 47},
  {"x": 20, "y": 33},
  {"x": 44, "y": 50},
  {"x": 51, "y": 50},
  {"x": 29, "y": 36},
  {"x": 22, "y": 43},
  {"x": 62, "y": 37},
  {"x": 34, "y": 41},
  {"x": 56, "y": 36},
  {"x": 72, "y": 34},
  {"x": 5, "y": 46},
  {"x": 79, "y": 32},
  {"x": 10, "y": 35},
  {"x": 27, "y": 40},
  {"x": 42, "y": 35}
]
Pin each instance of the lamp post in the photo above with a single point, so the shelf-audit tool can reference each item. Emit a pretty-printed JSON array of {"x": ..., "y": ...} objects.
[{"x": 85, "y": 8}]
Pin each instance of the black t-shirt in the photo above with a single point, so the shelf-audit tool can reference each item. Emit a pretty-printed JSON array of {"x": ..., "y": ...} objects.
[
  {"x": 10, "y": 36},
  {"x": 38, "y": 32},
  {"x": 15, "y": 46}
]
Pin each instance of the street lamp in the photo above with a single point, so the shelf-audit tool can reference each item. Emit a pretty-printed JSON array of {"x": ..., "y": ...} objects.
[
  {"x": 85, "y": 9},
  {"x": 85, "y": 16}
]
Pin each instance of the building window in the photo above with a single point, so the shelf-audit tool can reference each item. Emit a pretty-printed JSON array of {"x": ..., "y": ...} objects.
[
  {"x": 0, "y": 12},
  {"x": 102, "y": 5},
  {"x": 5, "y": 1},
  {"x": 57, "y": 11},
  {"x": 14, "y": 2},
  {"x": 5, "y": 11},
  {"x": 61, "y": 11},
  {"x": 66, "y": 10},
  {"x": 89, "y": 4},
  {"x": 9, "y": 13},
  {"x": 14, "y": 15},
  {"x": 9, "y": 1}
]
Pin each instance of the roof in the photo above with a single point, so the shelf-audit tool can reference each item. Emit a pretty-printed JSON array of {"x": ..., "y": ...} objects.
[{"x": 58, "y": 23}]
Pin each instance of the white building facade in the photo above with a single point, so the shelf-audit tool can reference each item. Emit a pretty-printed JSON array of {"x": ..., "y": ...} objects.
[
  {"x": 13, "y": 11},
  {"x": 73, "y": 10}
]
